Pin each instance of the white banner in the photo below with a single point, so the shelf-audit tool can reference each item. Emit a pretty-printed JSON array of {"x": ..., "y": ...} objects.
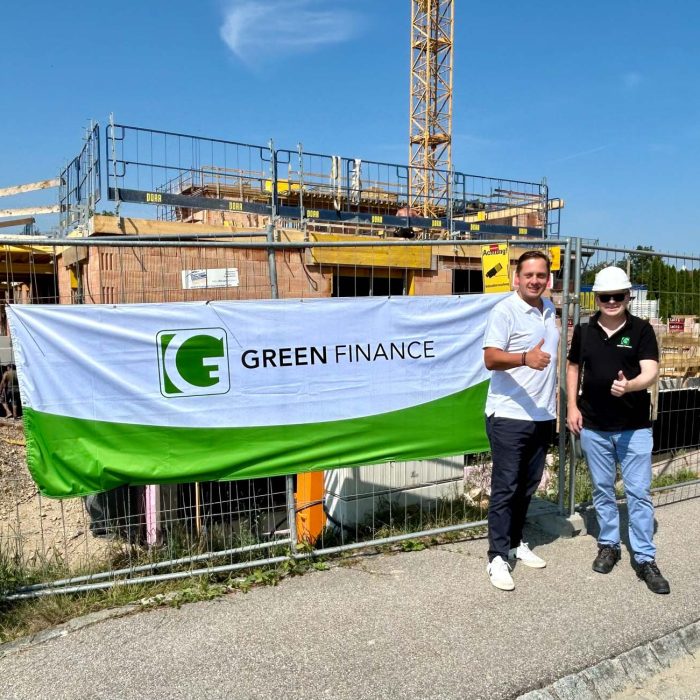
[
  {"x": 166, "y": 393},
  {"x": 248, "y": 363}
]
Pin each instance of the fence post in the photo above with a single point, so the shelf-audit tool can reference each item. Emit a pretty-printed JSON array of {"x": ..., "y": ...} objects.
[
  {"x": 114, "y": 164},
  {"x": 577, "y": 316},
  {"x": 302, "y": 210},
  {"x": 270, "y": 229},
  {"x": 544, "y": 198},
  {"x": 562, "y": 371},
  {"x": 274, "y": 294}
]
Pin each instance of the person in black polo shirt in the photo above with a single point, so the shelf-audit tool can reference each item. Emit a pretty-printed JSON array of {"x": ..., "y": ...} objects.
[{"x": 616, "y": 356}]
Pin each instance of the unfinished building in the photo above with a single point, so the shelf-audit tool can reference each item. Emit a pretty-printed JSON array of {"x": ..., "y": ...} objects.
[{"x": 234, "y": 191}]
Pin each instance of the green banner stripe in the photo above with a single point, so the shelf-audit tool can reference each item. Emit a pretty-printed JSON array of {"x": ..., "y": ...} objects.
[{"x": 76, "y": 457}]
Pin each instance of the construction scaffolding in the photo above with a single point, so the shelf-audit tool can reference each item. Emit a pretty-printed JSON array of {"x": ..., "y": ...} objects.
[{"x": 195, "y": 179}]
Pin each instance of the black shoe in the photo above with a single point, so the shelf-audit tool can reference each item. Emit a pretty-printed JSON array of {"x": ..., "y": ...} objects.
[
  {"x": 650, "y": 574},
  {"x": 607, "y": 557}
]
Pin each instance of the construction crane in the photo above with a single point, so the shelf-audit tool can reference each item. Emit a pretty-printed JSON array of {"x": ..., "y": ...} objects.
[{"x": 430, "y": 156}]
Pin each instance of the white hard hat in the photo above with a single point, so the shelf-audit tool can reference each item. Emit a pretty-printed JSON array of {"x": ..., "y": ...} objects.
[{"x": 611, "y": 279}]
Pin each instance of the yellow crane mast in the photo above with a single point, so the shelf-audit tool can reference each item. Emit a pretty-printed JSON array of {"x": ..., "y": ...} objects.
[{"x": 430, "y": 155}]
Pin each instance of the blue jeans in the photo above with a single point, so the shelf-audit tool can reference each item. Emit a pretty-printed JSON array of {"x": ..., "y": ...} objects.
[{"x": 603, "y": 450}]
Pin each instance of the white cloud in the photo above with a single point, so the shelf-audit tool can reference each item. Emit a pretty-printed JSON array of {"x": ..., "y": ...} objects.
[
  {"x": 632, "y": 80},
  {"x": 580, "y": 154},
  {"x": 263, "y": 30}
]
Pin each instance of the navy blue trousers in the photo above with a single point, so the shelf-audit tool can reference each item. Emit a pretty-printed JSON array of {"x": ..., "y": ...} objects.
[{"x": 518, "y": 450}]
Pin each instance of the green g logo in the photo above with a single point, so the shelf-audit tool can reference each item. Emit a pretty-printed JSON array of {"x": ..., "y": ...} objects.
[
  {"x": 624, "y": 340},
  {"x": 193, "y": 362}
]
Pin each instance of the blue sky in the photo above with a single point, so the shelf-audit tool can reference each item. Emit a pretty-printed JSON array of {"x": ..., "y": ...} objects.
[{"x": 601, "y": 97}]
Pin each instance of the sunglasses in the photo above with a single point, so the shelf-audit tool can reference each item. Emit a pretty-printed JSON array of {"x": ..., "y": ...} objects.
[{"x": 605, "y": 298}]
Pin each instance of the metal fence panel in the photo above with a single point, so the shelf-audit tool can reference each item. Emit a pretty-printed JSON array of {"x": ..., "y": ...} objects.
[
  {"x": 666, "y": 292},
  {"x": 138, "y": 532}
]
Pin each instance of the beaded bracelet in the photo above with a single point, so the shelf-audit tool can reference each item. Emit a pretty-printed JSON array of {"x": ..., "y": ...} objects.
[{"x": 522, "y": 359}]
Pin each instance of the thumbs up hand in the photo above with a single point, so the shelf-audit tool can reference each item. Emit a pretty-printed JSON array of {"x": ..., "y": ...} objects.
[
  {"x": 619, "y": 386},
  {"x": 536, "y": 358}
]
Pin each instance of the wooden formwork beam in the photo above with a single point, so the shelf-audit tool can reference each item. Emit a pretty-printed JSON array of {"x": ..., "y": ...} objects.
[
  {"x": 129, "y": 226},
  {"x": 30, "y": 211},
  {"x": 17, "y": 222},
  {"x": 389, "y": 256},
  {"x": 510, "y": 212},
  {"x": 29, "y": 187}
]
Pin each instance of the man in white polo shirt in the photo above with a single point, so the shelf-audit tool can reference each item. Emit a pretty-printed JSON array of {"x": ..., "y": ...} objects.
[{"x": 520, "y": 346}]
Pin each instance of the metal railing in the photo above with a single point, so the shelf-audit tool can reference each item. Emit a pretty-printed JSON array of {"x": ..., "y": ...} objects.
[
  {"x": 192, "y": 178},
  {"x": 80, "y": 186}
]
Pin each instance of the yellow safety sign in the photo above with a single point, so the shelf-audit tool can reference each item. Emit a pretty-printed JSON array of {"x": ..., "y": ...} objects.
[
  {"x": 495, "y": 267},
  {"x": 555, "y": 257}
]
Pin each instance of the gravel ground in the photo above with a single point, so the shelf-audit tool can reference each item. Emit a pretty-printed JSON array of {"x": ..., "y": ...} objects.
[{"x": 36, "y": 526}]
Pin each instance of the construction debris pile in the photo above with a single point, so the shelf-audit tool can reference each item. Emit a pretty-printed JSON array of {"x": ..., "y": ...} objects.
[{"x": 55, "y": 528}]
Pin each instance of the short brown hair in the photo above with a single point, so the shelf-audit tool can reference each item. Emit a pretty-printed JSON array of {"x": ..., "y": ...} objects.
[{"x": 533, "y": 255}]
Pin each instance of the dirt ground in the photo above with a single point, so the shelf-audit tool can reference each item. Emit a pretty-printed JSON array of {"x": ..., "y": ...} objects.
[
  {"x": 38, "y": 527},
  {"x": 679, "y": 682}
]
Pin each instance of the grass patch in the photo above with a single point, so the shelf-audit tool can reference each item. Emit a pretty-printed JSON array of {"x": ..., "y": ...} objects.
[
  {"x": 679, "y": 477},
  {"x": 584, "y": 485},
  {"x": 28, "y": 617}
]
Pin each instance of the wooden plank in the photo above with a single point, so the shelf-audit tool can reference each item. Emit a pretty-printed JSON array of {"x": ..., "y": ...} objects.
[
  {"x": 129, "y": 226},
  {"x": 30, "y": 187},
  {"x": 412, "y": 257},
  {"x": 30, "y": 211},
  {"x": 497, "y": 214},
  {"x": 17, "y": 222},
  {"x": 72, "y": 255},
  {"x": 294, "y": 235},
  {"x": 469, "y": 250},
  {"x": 510, "y": 212},
  {"x": 678, "y": 362}
]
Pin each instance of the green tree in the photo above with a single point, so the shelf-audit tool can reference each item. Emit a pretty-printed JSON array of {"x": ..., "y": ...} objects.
[{"x": 678, "y": 291}]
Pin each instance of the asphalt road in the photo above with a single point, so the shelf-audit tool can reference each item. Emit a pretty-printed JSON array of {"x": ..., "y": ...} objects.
[{"x": 412, "y": 625}]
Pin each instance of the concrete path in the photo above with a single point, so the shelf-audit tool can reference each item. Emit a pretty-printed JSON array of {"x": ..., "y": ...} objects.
[{"x": 413, "y": 625}]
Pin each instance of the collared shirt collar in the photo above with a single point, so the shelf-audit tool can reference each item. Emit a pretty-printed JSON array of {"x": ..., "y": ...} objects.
[{"x": 527, "y": 308}]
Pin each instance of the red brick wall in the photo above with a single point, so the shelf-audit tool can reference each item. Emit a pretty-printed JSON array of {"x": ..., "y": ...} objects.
[
  {"x": 430, "y": 282},
  {"x": 148, "y": 275}
]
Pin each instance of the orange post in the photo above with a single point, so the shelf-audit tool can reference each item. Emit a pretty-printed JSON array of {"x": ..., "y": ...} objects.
[{"x": 309, "y": 499}]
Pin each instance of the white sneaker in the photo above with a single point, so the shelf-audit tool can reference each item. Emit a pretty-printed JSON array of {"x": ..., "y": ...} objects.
[
  {"x": 527, "y": 556},
  {"x": 499, "y": 574}
]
